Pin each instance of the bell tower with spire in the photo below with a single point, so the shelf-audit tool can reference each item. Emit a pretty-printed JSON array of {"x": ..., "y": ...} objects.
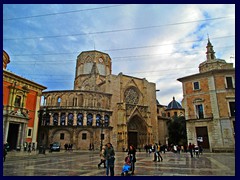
[
  {"x": 213, "y": 63},
  {"x": 210, "y": 54}
]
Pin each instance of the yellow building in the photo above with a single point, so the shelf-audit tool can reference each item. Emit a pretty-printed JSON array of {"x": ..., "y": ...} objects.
[{"x": 209, "y": 103}]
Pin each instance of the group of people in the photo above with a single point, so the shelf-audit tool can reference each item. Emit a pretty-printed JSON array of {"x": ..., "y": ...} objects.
[
  {"x": 107, "y": 158},
  {"x": 195, "y": 150},
  {"x": 29, "y": 146},
  {"x": 150, "y": 147},
  {"x": 156, "y": 149},
  {"x": 68, "y": 147}
]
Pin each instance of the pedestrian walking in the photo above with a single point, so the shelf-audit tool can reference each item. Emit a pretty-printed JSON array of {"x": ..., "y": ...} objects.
[
  {"x": 33, "y": 147},
  {"x": 146, "y": 148},
  {"x": 196, "y": 149},
  {"x": 109, "y": 155},
  {"x": 102, "y": 158},
  {"x": 4, "y": 153},
  {"x": 132, "y": 153},
  {"x": 158, "y": 153},
  {"x": 190, "y": 149},
  {"x": 29, "y": 147},
  {"x": 66, "y": 146},
  {"x": 25, "y": 146}
]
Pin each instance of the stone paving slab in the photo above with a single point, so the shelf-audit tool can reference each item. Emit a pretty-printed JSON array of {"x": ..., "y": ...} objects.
[{"x": 84, "y": 163}]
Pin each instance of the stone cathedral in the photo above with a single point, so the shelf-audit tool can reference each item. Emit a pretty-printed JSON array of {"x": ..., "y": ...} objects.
[{"x": 101, "y": 108}]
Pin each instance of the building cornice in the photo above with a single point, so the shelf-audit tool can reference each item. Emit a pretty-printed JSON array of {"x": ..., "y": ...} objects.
[
  {"x": 209, "y": 73},
  {"x": 9, "y": 77}
]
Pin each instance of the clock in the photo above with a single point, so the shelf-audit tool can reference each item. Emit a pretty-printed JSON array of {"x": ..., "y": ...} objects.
[{"x": 100, "y": 60}]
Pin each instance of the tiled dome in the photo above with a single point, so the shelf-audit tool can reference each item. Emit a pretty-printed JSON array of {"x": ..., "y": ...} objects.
[{"x": 174, "y": 105}]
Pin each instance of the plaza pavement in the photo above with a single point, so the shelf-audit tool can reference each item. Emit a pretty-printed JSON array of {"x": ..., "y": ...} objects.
[{"x": 84, "y": 163}]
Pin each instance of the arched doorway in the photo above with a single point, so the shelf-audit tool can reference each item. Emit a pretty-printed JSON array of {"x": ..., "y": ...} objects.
[{"x": 137, "y": 132}]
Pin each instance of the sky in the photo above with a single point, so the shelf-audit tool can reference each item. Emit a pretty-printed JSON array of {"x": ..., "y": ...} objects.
[{"x": 159, "y": 42}]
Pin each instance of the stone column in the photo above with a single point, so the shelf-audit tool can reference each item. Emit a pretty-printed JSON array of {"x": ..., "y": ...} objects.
[
  {"x": 36, "y": 119},
  {"x": 110, "y": 120},
  {"x": 6, "y": 131},
  {"x": 20, "y": 136},
  {"x": 84, "y": 118},
  {"x": 74, "y": 118},
  {"x": 59, "y": 118},
  {"x": 66, "y": 118},
  {"x": 94, "y": 120},
  {"x": 51, "y": 119}
]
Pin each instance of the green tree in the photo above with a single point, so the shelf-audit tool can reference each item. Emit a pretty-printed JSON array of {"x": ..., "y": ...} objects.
[{"x": 177, "y": 131}]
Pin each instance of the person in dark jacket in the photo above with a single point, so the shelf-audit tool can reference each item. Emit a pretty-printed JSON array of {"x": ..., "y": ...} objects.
[
  {"x": 190, "y": 148},
  {"x": 4, "y": 153},
  {"x": 109, "y": 155},
  {"x": 132, "y": 153}
]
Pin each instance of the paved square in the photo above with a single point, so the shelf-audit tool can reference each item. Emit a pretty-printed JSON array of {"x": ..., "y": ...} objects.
[{"x": 84, "y": 163}]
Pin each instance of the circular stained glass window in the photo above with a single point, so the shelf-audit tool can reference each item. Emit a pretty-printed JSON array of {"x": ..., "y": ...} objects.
[{"x": 131, "y": 96}]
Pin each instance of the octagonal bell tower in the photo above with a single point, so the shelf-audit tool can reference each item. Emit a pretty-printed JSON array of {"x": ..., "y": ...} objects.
[{"x": 92, "y": 68}]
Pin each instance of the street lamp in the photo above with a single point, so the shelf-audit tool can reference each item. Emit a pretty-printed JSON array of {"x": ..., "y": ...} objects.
[{"x": 101, "y": 136}]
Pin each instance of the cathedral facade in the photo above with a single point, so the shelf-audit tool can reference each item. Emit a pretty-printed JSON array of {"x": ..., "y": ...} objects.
[{"x": 101, "y": 108}]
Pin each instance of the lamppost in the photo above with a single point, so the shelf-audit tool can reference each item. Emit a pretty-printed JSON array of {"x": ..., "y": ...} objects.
[{"x": 101, "y": 136}]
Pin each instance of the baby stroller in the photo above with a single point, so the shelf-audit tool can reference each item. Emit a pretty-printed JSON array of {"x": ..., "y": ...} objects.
[{"x": 126, "y": 167}]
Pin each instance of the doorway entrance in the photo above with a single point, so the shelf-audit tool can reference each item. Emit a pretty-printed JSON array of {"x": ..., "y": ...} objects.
[
  {"x": 133, "y": 139},
  {"x": 13, "y": 136},
  {"x": 202, "y": 137},
  {"x": 137, "y": 132}
]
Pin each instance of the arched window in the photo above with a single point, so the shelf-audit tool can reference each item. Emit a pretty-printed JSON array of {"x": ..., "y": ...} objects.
[
  {"x": 80, "y": 100},
  {"x": 74, "y": 101},
  {"x": 43, "y": 101},
  {"x": 17, "y": 102},
  {"x": 80, "y": 119},
  {"x": 89, "y": 119},
  {"x": 55, "y": 119},
  {"x": 98, "y": 120},
  {"x": 70, "y": 119},
  {"x": 175, "y": 114},
  {"x": 106, "y": 120},
  {"x": 47, "y": 119},
  {"x": 62, "y": 120},
  {"x": 58, "y": 101}
]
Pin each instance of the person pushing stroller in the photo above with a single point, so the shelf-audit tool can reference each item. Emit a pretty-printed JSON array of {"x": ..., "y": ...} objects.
[{"x": 130, "y": 159}]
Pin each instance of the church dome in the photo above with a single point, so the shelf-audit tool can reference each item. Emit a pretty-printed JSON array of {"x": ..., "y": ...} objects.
[{"x": 174, "y": 105}]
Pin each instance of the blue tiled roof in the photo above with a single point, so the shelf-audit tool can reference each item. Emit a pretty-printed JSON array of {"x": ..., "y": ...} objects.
[{"x": 174, "y": 105}]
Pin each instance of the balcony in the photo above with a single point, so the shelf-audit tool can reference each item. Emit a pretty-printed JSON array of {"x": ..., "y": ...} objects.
[{"x": 205, "y": 117}]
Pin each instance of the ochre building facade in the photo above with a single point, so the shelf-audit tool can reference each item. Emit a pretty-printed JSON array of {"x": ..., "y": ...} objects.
[{"x": 209, "y": 103}]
